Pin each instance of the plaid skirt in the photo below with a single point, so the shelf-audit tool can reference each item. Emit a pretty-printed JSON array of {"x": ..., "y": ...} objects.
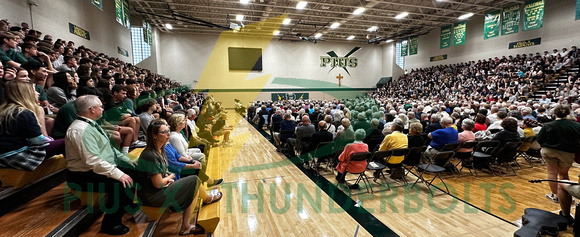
[{"x": 27, "y": 160}]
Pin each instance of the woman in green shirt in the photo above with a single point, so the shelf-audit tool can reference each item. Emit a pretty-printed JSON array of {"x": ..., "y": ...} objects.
[{"x": 154, "y": 178}]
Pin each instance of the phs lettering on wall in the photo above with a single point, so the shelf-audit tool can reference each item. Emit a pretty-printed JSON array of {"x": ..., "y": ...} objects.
[{"x": 335, "y": 61}]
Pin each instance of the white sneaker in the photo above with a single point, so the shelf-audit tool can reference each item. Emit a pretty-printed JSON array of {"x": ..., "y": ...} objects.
[
  {"x": 552, "y": 197},
  {"x": 138, "y": 144}
]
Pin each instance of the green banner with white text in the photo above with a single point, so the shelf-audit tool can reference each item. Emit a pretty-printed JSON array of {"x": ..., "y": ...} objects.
[
  {"x": 98, "y": 3},
  {"x": 413, "y": 45},
  {"x": 445, "y": 39},
  {"x": 404, "y": 48},
  {"x": 119, "y": 11},
  {"x": 126, "y": 14},
  {"x": 459, "y": 33},
  {"x": 533, "y": 14},
  {"x": 491, "y": 25},
  {"x": 577, "y": 9},
  {"x": 511, "y": 20}
]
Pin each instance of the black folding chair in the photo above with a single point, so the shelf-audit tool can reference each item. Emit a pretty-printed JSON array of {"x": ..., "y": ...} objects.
[
  {"x": 377, "y": 163},
  {"x": 506, "y": 156},
  {"x": 360, "y": 156},
  {"x": 447, "y": 164},
  {"x": 525, "y": 147},
  {"x": 482, "y": 154},
  {"x": 374, "y": 144},
  {"x": 435, "y": 169},
  {"x": 323, "y": 150},
  {"x": 465, "y": 157},
  {"x": 275, "y": 128},
  {"x": 413, "y": 158},
  {"x": 397, "y": 165}
]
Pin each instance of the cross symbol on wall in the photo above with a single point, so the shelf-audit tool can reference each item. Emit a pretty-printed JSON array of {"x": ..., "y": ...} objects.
[{"x": 339, "y": 77}]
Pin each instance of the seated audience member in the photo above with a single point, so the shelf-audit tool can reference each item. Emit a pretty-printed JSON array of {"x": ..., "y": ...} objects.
[
  {"x": 346, "y": 134},
  {"x": 435, "y": 124},
  {"x": 509, "y": 132},
  {"x": 154, "y": 178},
  {"x": 559, "y": 141},
  {"x": 414, "y": 139},
  {"x": 395, "y": 140},
  {"x": 441, "y": 137},
  {"x": 62, "y": 91},
  {"x": 467, "y": 135},
  {"x": 177, "y": 122},
  {"x": 412, "y": 118},
  {"x": 117, "y": 113},
  {"x": 479, "y": 123},
  {"x": 8, "y": 56},
  {"x": 321, "y": 136},
  {"x": 528, "y": 125},
  {"x": 376, "y": 136},
  {"x": 354, "y": 166},
  {"x": 303, "y": 129},
  {"x": 22, "y": 144},
  {"x": 220, "y": 128},
  {"x": 330, "y": 127},
  {"x": 91, "y": 159},
  {"x": 194, "y": 140},
  {"x": 361, "y": 123},
  {"x": 146, "y": 115},
  {"x": 287, "y": 125}
]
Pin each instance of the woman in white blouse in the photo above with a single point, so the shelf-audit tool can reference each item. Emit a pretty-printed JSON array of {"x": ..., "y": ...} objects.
[{"x": 177, "y": 122}]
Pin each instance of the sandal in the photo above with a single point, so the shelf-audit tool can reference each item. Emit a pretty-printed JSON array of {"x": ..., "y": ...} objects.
[
  {"x": 214, "y": 199},
  {"x": 216, "y": 182},
  {"x": 188, "y": 231}
]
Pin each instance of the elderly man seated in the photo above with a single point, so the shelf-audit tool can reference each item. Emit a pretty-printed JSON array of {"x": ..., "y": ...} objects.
[
  {"x": 446, "y": 135},
  {"x": 303, "y": 130}
]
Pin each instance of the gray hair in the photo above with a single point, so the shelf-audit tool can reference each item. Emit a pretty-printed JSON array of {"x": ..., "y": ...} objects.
[
  {"x": 345, "y": 123},
  {"x": 86, "y": 102},
  {"x": 360, "y": 134},
  {"x": 374, "y": 123},
  {"x": 399, "y": 125},
  {"x": 446, "y": 120},
  {"x": 436, "y": 117},
  {"x": 468, "y": 123}
]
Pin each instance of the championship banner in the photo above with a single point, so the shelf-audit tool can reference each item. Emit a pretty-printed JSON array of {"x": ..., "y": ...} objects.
[
  {"x": 147, "y": 38},
  {"x": 80, "y": 32},
  {"x": 577, "y": 9},
  {"x": 404, "y": 48},
  {"x": 438, "y": 58},
  {"x": 119, "y": 11},
  {"x": 491, "y": 25},
  {"x": 122, "y": 51},
  {"x": 98, "y": 3},
  {"x": 524, "y": 43},
  {"x": 445, "y": 39},
  {"x": 459, "y": 33},
  {"x": 126, "y": 14},
  {"x": 413, "y": 45},
  {"x": 511, "y": 20},
  {"x": 533, "y": 14}
]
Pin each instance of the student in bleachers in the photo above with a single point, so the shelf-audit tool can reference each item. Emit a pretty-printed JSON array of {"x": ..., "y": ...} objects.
[
  {"x": 154, "y": 177},
  {"x": 22, "y": 144},
  {"x": 63, "y": 90},
  {"x": 8, "y": 55}
]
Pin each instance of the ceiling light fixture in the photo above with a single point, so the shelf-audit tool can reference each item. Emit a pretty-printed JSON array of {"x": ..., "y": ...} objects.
[
  {"x": 402, "y": 15},
  {"x": 358, "y": 11},
  {"x": 301, "y": 5},
  {"x": 168, "y": 26},
  {"x": 465, "y": 16},
  {"x": 239, "y": 17},
  {"x": 286, "y": 21},
  {"x": 373, "y": 28},
  {"x": 389, "y": 41},
  {"x": 244, "y": 1},
  {"x": 277, "y": 32},
  {"x": 350, "y": 37},
  {"x": 334, "y": 25},
  {"x": 316, "y": 36}
]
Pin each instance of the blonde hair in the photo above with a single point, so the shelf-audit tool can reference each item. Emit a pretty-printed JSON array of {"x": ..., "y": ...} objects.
[
  {"x": 174, "y": 120},
  {"x": 18, "y": 97}
]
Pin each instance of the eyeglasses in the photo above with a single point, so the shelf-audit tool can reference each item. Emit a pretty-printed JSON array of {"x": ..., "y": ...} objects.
[{"x": 164, "y": 132}]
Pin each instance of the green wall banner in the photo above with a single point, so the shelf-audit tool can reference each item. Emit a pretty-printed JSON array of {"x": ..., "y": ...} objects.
[
  {"x": 80, "y": 32},
  {"x": 459, "y": 33},
  {"x": 438, "y": 58},
  {"x": 525, "y": 43},
  {"x": 122, "y": 51},
  {"x": 126, "y": 14},
  {"x": 511, "y": 20},
  {"x": 533, "y": 14},
  {"x": 413, "y": 45},
  {"x": 147, "y": 32},
  {"x": 98, "y": 3},
  {"x": 445, "y": 39},
  {"x": 577, "y": 9},
  {"x": 404, "y": 48},
  {"x": 122, "y": 14},
  {"x": 491, "y": 25}
]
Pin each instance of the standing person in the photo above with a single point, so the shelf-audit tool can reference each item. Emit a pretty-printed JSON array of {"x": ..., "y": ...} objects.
[
  {"x": 559, "y": 140},
  {"x": 22, "y": 144},
  {"x": 92, "y": 161},
  {"x": 154, "y": 178}
]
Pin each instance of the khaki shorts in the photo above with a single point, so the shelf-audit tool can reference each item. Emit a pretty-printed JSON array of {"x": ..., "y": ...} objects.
[
  {"x": 574, "y": 190},
  {"x": 562, "y": 158}
]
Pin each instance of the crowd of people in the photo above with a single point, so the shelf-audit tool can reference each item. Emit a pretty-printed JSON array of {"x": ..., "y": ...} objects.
[
  {"x": 56, "y": 98},
  {"x": 472, "y": 101}
]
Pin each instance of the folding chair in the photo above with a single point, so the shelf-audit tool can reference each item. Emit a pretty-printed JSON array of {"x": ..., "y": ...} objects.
[
  {"x": 397, "y": 153},
  {"x": 506, "y": 155},
  {"x": 448, "y": 147},
  {"x": 275, "y": 128},
  {"x": 374, "y": 144},
  {"x": 289, "y": 134},
  {"x": 375, "y": 163},
  {"x": 482, "y": 154},
  {"x": 413, "y": 158},
  {"x": 464, "y": 157},
  {"x": 338, "y": 148},
  {"x": 435, "y": 169},
  {"x": 323, "y": 149},
  {"x": 301, "y": 146},
  {"x": 360, "y": 156},
  {"x": 525, "y": 147}
]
